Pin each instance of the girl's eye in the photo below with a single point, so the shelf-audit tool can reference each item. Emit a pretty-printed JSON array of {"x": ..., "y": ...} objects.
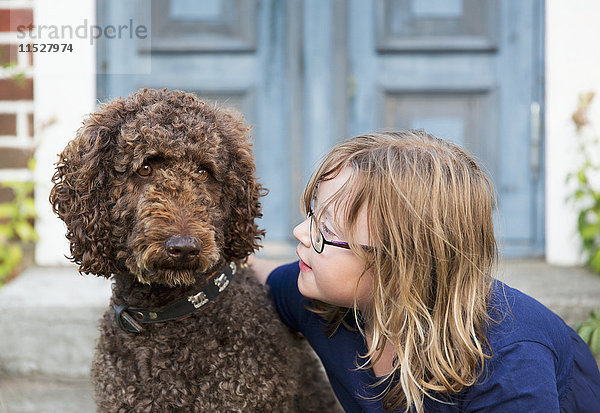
[
  {"x": 203, "y": 174},
  {"x": 144, "y": 170},
  {"x": 327, "y": 231}
]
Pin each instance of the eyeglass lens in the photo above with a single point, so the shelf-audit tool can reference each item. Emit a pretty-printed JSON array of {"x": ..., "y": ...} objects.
[{"x": 316, "y": 238}]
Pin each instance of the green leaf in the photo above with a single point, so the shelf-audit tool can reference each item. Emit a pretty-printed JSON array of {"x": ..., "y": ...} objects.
[
  {"x": 8, "y": 210},
  {"x": 585, "y": 332},
  {"x": 12, "y": 184},
  {"x": 6, "y": 233},
  {"x": 12, "y": 256},
  {"x": 22, "y": 190},
  {"x": 595, "y": 341},
  {"x": 581, "y": 220},
  {"x": 595, "y": 260},
  {"x": 569, "y": 176},
  {"x": 581, "y": 177},
  {"x": 25, "y": 231},
  {"x": 589, "y": 231},
  {"x": 28, "y": 208},
  {"x": 580, "y": 194}
]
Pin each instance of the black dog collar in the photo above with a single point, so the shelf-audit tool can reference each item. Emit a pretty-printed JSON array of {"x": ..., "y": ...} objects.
[{"x": 131, "y": 319}]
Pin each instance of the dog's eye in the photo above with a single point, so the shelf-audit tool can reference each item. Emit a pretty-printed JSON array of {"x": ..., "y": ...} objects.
[
  {"x": 203, "y": 174},
  {"x": 145, "y": 170}
]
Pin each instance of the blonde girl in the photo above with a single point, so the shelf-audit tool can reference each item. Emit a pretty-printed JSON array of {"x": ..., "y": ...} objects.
[{"x": 394, "y": 289}]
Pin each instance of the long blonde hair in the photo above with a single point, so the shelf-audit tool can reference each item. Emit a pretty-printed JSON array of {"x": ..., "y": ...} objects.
[{"x": 430, "y": 218}]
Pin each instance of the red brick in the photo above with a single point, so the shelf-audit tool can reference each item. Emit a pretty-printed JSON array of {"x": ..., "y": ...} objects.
[
  {"x": 11, "y": 89},
  {"x": 8, "y": 53},
  {"x": 14, "y": 158},
  {"x": 8, "y": 124},
  {"x": 10, "y": 19},
  {"x": 6, "y": 195}
]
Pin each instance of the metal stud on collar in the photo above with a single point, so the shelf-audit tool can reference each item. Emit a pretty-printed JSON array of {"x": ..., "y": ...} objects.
[
  {"x": 198, "y": 300},
  {"x": 222, "y": 282}
]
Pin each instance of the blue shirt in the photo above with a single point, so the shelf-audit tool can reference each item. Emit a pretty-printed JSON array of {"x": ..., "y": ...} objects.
[{"x": 539, "y": 363}]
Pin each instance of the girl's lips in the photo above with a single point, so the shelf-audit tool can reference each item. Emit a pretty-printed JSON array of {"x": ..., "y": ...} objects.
[{"x": 304, "y": 267}]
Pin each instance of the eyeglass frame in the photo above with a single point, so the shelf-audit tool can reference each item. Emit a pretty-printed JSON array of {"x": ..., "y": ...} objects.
[{"x": 340, "y": 244}]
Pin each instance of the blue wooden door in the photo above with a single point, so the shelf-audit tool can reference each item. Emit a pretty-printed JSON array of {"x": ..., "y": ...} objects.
[
  {"x": 309, "y": 73},
  {"x": 469, "y": 71}
]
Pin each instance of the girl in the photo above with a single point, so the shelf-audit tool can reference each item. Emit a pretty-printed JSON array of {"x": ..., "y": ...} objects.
[{"x": 395, "y": 291}]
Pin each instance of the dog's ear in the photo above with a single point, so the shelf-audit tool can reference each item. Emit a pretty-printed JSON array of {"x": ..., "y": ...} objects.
[
  {"x": 242, "y": 236},
  {"x": 80, "y": 195}
]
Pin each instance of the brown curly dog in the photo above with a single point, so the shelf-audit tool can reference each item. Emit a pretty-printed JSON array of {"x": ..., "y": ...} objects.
[{"x": 158, "y": 191}]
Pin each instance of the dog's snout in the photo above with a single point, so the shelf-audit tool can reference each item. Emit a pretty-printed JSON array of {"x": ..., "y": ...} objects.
[{"x": 183, "y": 248}]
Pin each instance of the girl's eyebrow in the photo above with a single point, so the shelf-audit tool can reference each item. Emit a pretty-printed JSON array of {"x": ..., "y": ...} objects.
[{"x": 327, "y": 215}]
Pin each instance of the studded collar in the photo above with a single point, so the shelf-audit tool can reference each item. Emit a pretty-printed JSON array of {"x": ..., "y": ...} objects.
[{"x": 132, "y": 319}]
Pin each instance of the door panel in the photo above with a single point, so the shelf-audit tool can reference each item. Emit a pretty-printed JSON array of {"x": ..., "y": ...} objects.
[
  {"x": 436, "y": 25},
  {"x": 460, "y": 117},
  {"x": 208, "y": 25},
  {"x": 466, "y": 71}
]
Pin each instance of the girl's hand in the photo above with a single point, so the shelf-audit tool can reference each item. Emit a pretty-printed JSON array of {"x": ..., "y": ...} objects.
[{"x": 262, "y": 268}]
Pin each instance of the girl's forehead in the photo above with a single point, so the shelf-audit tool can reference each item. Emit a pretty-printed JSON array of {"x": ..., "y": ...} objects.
[{"x": 327, "y": 188}]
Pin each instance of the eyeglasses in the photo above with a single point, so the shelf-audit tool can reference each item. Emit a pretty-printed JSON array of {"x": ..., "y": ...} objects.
[{"x": 318, "y": 241}]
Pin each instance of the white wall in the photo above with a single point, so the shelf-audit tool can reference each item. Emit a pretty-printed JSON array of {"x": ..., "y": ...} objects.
[
  {"x": 572, "y": 66},
  {"x": 64, "y": 92}
]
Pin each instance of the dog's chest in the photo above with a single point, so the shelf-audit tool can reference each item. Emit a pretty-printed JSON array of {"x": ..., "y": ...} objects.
[{"x": 235, "y": 338}]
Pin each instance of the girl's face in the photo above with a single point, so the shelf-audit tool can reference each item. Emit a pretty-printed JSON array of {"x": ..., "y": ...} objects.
[{"x": 332, "y": 275}]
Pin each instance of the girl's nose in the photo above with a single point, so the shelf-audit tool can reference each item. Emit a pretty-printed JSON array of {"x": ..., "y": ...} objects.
[{"x": 301, "y": 232}]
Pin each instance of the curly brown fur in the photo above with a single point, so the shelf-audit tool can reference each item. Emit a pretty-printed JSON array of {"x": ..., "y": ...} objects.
[{"x": 144, "y": 169}]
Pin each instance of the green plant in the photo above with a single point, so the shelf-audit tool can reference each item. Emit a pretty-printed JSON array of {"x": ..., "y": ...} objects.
[
  {"x": 16, "y": 226},
  {"x": 587, "y": 198},
  {"x": 589, "y": 330},
  {"x": 586, "y": 195}
]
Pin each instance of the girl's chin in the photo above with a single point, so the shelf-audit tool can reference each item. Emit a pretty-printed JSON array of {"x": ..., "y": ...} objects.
[{"x": 304, "y": 283}]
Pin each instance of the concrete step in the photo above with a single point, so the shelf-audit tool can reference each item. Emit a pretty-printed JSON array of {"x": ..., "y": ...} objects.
[
  {"x": 35, "y": 394},
  {"x": 48, "y": 328},
  {"x": 571, "y": 292},
  {"x": 48, "y": 319}
]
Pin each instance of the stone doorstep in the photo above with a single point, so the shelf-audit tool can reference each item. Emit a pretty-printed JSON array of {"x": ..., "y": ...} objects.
[
  {"x": 49, "y": 316},
  {"x": 37, "y": 394},
  {"x": 48, "y": 320},
  {"x": 571, "y": 292}
]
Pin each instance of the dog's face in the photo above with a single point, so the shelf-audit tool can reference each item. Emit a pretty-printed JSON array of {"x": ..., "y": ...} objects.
[
  {"x": 160, "y": 185},
  {"x": 172, "y": 205}
]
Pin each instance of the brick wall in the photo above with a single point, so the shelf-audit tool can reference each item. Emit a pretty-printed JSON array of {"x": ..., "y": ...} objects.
[
  {"x": 16, "y": 103},
  {"x": 16, "y": 95}
]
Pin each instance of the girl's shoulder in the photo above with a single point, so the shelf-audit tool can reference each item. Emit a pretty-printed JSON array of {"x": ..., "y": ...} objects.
[{"x": 538, "y": 362}]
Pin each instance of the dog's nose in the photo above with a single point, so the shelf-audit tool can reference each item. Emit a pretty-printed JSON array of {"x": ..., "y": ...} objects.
[{"x": 183, "y": 248}]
